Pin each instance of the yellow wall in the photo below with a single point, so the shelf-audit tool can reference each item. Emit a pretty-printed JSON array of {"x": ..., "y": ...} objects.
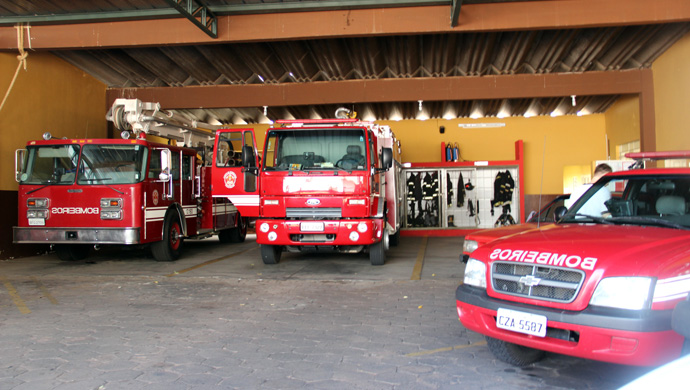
[
  {"x": 51, "y": 95},
  {"x": 672, "y": 96},
  {"x": 623, "y": 123},
  {"x": 570, "y": 140}
]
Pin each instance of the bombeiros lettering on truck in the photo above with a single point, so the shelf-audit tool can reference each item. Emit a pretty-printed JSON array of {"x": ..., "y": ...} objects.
[
  {"x": 600, "y": 286},
  {"x": 546, "y": 258},
  {"x": 151, "y": 187},
  {"x": 328, "y": 184}
]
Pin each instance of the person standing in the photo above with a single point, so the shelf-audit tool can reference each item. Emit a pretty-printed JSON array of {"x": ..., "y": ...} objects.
[{"x": 595, "y": 205}]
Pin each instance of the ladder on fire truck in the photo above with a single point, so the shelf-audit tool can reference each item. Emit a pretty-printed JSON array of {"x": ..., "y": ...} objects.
[{"x": 133, "y": 117}]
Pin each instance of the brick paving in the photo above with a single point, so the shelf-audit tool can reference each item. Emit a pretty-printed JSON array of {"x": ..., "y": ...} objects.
[{"x": 240, "y": 325}]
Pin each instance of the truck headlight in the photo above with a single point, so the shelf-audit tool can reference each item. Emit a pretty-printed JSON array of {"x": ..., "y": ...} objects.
[
  {"x": 111, "y": 214},
  {"x": 469, "y": 246},
  {"x": 37, "y": 214},
  {"x": 475, "y": 273},
  {"x": 623, "y": 293}
]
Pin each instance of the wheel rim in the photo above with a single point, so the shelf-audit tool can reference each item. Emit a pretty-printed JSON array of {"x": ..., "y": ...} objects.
[{"x": 175, "y": 236}]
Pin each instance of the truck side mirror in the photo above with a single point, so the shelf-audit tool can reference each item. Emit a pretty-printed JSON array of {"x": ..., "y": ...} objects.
[
  {"x": 166, "y": 163},
  {"x": 386, "y": 158},
  {"x": 559, "y": 213},
  {"x": 248, "y": 158},
  {"x": 19, "y": 163}
]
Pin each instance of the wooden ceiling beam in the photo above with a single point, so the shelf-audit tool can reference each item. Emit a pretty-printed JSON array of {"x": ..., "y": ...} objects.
[
  {"x": 390, "y": 90},
  {"x": 534, "y": 15}
]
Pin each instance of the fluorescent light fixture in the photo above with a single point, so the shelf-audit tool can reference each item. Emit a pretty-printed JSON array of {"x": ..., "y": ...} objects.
[{"x": 481, "y": 125}]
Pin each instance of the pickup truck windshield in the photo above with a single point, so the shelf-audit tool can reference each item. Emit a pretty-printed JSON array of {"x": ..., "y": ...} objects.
[
  {"x": 635, "y": 200},
  {"x": 330, "y": 148}
]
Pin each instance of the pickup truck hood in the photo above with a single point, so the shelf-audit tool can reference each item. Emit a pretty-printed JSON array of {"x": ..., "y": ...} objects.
[{"x": 615, "y": 249}]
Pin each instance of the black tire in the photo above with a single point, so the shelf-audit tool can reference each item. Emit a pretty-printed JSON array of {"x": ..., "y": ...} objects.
[
  {"x": 394, "y": 240},
  {"x": 514, "y": 354},
  {"x": 270, "y": 254},
  {"x": 72, "y": 252},
  {"x": 170, "y": 247},
  {"x": 377, "y": 252},
  {"x": 236, "y": 234}
]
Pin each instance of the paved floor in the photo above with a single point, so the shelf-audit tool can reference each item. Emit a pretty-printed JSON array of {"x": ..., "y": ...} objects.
[{"x": 219, "y": 319}]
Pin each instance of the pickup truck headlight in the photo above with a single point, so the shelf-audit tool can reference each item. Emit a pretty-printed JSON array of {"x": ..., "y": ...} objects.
[
  {"x": 469, "y": 246},
  {"x": 623, "y": 293},
  {"x": 475, "y": 273}
]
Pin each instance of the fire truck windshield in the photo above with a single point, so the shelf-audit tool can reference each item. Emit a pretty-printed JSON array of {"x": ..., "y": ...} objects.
[
  {"x": 331, "y": 148},
  {"x": 50, "y": 164},
  {"x": 112, "y": 164}
]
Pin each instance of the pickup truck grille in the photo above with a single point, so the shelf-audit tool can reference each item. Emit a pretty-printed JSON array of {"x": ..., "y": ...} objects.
[
  {"x": 536, "y": 281},
  {"x": 314, "y": 213}
]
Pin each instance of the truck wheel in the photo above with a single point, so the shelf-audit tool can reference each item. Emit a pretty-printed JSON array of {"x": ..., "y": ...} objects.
[
  {"x": 377, "y": 252},
  {"x": 71, "y": 252},
  {"x": 395, "y": 239},
  {"x": 270, "y": 254},
  {"x": 514, "y": 354},
  {"x": 234, "y": 235},
  {"x": 169, "y": 248}
]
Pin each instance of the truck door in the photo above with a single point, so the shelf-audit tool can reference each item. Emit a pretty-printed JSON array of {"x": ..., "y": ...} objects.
[{"x": 230, "y": 179}]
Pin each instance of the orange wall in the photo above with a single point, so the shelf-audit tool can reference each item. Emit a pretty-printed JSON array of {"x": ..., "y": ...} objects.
[
  {"x": 672, "y": 96},
  {"x": 559, "y": 142},
  {"x": 51, "y": 95}
]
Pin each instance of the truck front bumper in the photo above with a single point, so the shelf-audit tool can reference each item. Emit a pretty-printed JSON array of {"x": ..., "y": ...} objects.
[
  {"x": 616, "y": 336},
  {"x": 350, "y": 232},
  {"x": 43, "y": 235}
]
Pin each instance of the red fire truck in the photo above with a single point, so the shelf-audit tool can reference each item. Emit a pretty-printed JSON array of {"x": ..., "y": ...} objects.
[
  {"x": 599, "y": 284},
  {"x": 328, "y": 184},
  {"x": 79, "y": 193}
]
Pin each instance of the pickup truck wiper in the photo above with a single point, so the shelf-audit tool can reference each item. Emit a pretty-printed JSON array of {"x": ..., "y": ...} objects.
[{"x": 649, "y": 221}]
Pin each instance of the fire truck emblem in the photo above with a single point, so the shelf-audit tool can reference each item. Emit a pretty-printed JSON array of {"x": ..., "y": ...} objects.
[
  {"x": 230, "y": 179},
  {"x": 313, "y": 202},
  {"x": 154, "y": 195}
]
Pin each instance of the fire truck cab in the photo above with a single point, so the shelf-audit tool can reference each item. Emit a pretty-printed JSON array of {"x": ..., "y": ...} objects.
[
  {"x": 79, "y": 193},
  {"x": 329, "y": 184}
]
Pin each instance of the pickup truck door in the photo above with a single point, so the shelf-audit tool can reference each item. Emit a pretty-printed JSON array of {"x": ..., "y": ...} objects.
[{"x": 230, "y": 178}]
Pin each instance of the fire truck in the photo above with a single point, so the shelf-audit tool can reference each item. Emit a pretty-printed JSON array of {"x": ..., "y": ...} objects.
[
  {"x": 601, "y": 283},
  {"x": 152, "y": 187},
  {"x": 327, "y": 184}
]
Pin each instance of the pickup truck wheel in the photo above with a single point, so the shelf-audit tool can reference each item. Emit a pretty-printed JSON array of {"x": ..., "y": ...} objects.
[
  {"x": 514, "y": 354},
  {"x": 377, "y": 252},
  {"x": 270, "y": 254},
  {"x": 169, "y": 248},
  {"x": 71, "y": 252}
]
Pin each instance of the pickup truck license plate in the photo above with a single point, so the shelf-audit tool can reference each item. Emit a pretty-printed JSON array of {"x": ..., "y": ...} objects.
[
  {"x": 311, "y": 227},
  {"x": 522, "y": 322}
]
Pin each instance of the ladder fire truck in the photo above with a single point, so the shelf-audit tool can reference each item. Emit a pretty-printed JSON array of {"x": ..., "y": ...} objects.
[
  {"x": 142, "y": 189},
  {"x": 328, "y": 184}
]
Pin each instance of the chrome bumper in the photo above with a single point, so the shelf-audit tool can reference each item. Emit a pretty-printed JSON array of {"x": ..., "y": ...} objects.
[{"x": 30, "y": 235}]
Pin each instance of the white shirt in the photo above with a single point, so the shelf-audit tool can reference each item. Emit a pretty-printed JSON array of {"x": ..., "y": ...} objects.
[{"x": 595, "y": 205}]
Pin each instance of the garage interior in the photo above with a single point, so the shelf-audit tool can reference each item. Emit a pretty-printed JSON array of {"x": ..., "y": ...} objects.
[{"x": 575, "y": 81}]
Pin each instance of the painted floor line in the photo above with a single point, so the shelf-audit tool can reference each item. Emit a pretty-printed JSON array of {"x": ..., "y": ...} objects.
[
  {"x": 44, "y": 290},
  {"x": 18, "y": 301},
  {"x": 417, "y": 270},
  {"x": 447, "y": 349},
  {"x": 204, "y": 264}
]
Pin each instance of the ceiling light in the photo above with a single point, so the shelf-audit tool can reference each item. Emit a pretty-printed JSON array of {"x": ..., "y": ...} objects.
[
  {"x": 420, "y": 104},
  {"x": 481, "y": 125}
]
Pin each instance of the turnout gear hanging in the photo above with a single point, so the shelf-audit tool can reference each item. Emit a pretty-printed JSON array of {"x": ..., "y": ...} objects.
[
  {"x": 503, "y": 189},
  {"x": 461, "y": 191}
]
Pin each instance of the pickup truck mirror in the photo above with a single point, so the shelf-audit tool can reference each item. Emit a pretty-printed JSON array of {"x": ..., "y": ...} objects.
[
  {"x": 19, "y": 163},
  {"x": 559, "y": 213},
  {"x": 386, "y": 158}
]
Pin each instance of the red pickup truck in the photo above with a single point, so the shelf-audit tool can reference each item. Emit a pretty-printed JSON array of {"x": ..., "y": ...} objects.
[{"x": 599, "y": 285}]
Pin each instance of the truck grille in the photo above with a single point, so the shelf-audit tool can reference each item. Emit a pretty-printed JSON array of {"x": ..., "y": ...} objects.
[
  {"x": 536, "y": 281},
  {"x": 313, "y": 213}
]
